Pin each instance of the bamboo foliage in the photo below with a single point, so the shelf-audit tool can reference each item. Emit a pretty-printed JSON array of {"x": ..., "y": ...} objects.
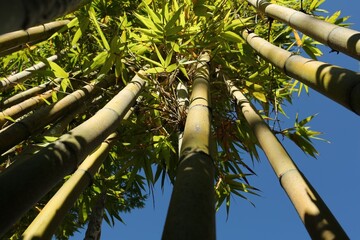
[
  {"x": 337, "y": 37},
  {"x": 191, "y": 214},
  {"x": 19, "y": 14},
  {"x": 317, "y": 218},
  {"x": 22, "y": 76},
  {"x": 339, "y": 84},
  {"x": 45, "y": 224},
  {"x": 34, "y": 34},
  {"x": 25, "y": 182}
]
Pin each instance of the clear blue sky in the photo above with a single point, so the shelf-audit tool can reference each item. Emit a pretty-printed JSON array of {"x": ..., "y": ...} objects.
[{"x": 334, "y": 174}]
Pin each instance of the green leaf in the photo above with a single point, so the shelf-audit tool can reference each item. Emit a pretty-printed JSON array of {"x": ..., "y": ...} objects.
[
  {"x": 231, "y": 37},
  {"x": 58, "y": 71}
]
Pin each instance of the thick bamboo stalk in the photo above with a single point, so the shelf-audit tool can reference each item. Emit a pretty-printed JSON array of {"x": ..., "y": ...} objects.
[
  {"x": 38, "y": 33},
  {"x": 23, "y": 95},
  {"x": 26, "y": 182},
  {"x": 338, "y": 38},
  {"x": 19, "y": 14},
  {"x": 316, "y": 216},
  {"x": 50, "y": 217},
  {"x": 25, "y": 106},
  {"x": 22, "y": 76},
  {"x": 191, "y": 214},
  {"x": 24, "y": 128},
  {"x": 339, "y": 84}
]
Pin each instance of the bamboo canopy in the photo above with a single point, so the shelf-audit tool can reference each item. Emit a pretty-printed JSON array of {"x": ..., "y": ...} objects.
[
  {"x": 32, "y": 178},
  {"x": 336, "y": 37},
  {"x": 317, "y": 218},
  {"x": 34, "y": 34},
  {"x": 339, "y": 84},
  {"x": 19, "y": 14},
  {"x": 191, "y": 214}
]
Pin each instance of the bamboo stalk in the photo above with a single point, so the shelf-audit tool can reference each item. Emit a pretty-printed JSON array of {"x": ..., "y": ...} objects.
[
  {"x": 23, "y": 95},
  {"x": 51, "y": 216},
  {"x": 183, "y": 103},
  {"x": 339, "y": 84},
  {"x": 19, "y": 14},
  {"x": 22, "y": 129},
  {"x": 316, "y": 216},
  {"x": 22, "y": 76},
  {"x": 26, "y": 182},
  {"x": 25, "y": 106},
  {"x": 38, "y": 33},
  {"x": 338, "y": 38},
  {"x": 191, "y": 214}
]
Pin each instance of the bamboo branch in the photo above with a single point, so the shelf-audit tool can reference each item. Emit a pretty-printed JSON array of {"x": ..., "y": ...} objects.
[
  {"x": 338, "y": 38},
  {"x": 317, "y": 218},
  {"x": 339, "y": 84}
]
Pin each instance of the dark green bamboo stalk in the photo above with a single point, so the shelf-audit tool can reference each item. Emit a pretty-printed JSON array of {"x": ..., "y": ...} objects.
[
  {"x": 338, "y": 38},
  {"x": 339, "y": 84},
  {"x": 38, "y": 33},
  {"x": 48, "y": 220},
  {"x": 191, "y": 214},
  {"x": 316, "y": 216},
  {"x": 26, "y": 127},
  {"x": 23, "y": 95},
  {"x": 22, "y": 76},
  {"x": 93, "y": 231},
  {"x": 19, "y": 14},
  {"x": 26, "y": 182}
]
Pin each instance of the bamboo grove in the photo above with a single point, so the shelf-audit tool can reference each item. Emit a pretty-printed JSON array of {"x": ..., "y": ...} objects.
[{"x": 106, "y": 99}]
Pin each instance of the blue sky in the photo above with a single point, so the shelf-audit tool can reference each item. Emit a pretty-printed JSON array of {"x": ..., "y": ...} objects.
[{"x": 334, "y": 174}]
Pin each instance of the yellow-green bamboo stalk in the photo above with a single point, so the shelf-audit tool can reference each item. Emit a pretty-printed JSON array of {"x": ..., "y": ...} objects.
[
  {"x": 338, "y": 38},
  {"x": 51, "y": 216},
  {"x": 26, "y": 182},
  {"x": 22, "y": 76},
  {"x": 23, "y": 95},
  {"x": 29, "y": 125},
  {"x": 25, "y": 106},
  {"x": 317, "y": 218},
  {"x": 339, "y": 84},
  {"x": 38, "y": 33},
  {"x": 19, "y": 14},
  {"x": 191, "y": 214}
]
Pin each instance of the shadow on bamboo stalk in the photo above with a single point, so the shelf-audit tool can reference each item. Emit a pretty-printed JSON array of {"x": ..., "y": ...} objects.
[
  {"x": 316, "y": 216},
  {"x": 26, "y": 182}
]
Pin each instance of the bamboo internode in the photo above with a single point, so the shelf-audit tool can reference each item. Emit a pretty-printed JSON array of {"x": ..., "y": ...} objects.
[
  {"x": 317, "y": 218},
  {"x": 34, "y": 34},
  {"x": 339, "y": 84},
  {"x": 336, "y": 37}
]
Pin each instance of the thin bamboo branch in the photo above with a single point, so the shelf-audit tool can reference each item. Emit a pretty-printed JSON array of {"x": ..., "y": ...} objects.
[
  {"x": 23, "y": 95},
  {"x": 338, "y": 38},
  {"x": 26, "y": 127},
  {"x": 339, "y": 84},
  {"x": 51, "y": 216},
  {"x": 183, "y": 103},
  {"x": 316, "y": 216},
  {"x": 191, "y": 214},
  {"x": 38, "y": 33},
  {"x": 26, "y": 182},
  {"x": 19, "y": 14},
  {"x": 22, "y": 76}
]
